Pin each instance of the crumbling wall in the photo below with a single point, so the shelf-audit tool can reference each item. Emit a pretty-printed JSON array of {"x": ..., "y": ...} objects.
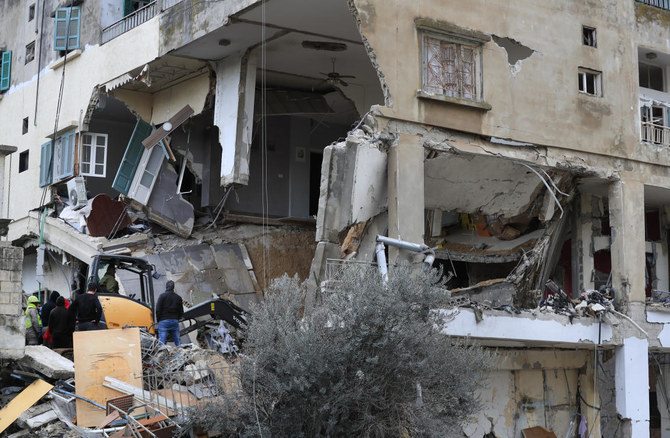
[
  {"x": 12, "y": 320},
  {"x": 535, "y": 388}
]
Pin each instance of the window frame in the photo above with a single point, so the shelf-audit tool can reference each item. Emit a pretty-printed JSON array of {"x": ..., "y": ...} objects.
[
  {"x": 66, "y": 21},
  {"x": 592, "y": 33},
  {"x": 582, "y": 75},
  {"x": 30, "y": 49},
  {"x": 24, "y": 161},
  {"x": 648, "y": 66},
  {"x": 94, "y": 154},
  {"x": 459, "y": 46}
]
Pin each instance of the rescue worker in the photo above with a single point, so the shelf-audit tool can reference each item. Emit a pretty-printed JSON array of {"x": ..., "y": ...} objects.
[
  {"x": 33, "y": 321},
  {"x": 87, "y": 310},
  {"x": 61, "y": 325},
  {"x": 169, "y": 310},
  {"x": 108, "y": 281}
]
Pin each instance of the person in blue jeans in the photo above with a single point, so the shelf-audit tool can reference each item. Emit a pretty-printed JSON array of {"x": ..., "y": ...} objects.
[{"x": 169, "y": 310}]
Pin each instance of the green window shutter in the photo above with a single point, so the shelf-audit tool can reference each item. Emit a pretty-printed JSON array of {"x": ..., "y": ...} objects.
[
  {"x": 131, "y": 158},
  {"x": 66, "y": 165},
  {"x": 45, "y": 163},
  {"x": 127, "y": 7},
  {"x": 6, "y": 70},
  {"x": 66, "y": 30}
]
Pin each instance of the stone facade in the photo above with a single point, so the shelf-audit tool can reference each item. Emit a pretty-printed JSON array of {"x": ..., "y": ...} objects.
[{"x": 12, "y": 320}]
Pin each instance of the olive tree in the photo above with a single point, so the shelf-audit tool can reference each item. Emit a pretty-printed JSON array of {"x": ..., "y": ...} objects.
[{"x": 368, "y": 359}]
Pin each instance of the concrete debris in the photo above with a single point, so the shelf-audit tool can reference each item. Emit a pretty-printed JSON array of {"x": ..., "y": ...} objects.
[
  {"x": 47, "y": 362},
  {"x": 591, "y": 303}
]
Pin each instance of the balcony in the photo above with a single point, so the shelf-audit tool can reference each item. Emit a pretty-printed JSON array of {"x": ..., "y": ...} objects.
[
  {"x": 136, "y": 18},
  {"x": 663, "y": 4},
  {"x": 655, "y": 133}
]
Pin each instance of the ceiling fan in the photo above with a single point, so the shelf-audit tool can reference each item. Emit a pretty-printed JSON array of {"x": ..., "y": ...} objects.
[{"x": 334, "y": 78}]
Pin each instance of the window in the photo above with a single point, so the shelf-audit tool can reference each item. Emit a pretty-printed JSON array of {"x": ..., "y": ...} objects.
[
  {"x": 46, "y": 164},
  {"x": 590, "y": 82},
  {"x": 23, "y": 161},
  {"x": 31, "y": 12},
  {"x": 655, "y": 124},
  {"x": 5, "y": 70},
  {"x": 589, "y": 36},
  {"x": 24, "y": 128},
  {"x": 93, "y": 154},
  {"x": 146, "y": 173},
  {"x": 30, "y": 52},
  {"x": 66, "y": 35},
  {"x": 451, "y": 67},
  {"x": 651, "y": 76},
  {"x": 130, "y": 6}
]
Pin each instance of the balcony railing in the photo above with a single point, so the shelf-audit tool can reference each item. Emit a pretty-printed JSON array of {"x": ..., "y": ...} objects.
[
  {"x": 663, "y": 4},
  {"x": 656, "y": 134},
  {"x": 129, "y": 22},
  {"x": 136, "y": 18}
]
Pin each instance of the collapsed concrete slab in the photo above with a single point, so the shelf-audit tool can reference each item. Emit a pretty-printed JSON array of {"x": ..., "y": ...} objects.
[{"x": 47, "y": 362}]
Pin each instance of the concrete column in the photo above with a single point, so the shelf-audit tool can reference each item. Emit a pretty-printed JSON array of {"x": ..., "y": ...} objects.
[
  {"x": 632, "y": 385},
  {"x": 12, "y": 318},
  {"x": 583, "y": 244},
  {"x": 234, "y": 115},
  {"x": 626, "y": 205},
  {"x": 405, "y": 193}
]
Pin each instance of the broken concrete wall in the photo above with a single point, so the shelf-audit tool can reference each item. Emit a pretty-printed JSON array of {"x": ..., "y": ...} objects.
[
  {"x": 12, "y": 319},
  {"x": 353, "y": 186},
  {"x": 535, "y": 388}
]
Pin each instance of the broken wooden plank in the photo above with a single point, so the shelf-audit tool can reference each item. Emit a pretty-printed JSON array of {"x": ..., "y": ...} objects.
[
  {"x": 159, "y": 134},
  {"x": 23, "y": 401},
  {"x": 102, "y": 353},
  {"x": 108, "y": 419}
]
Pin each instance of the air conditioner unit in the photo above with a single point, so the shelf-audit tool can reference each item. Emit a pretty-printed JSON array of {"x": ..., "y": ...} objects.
[{"x": 76, "y": 189}]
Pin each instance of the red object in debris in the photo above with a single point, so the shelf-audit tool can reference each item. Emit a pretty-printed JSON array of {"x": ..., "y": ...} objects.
[{"x": 107, "y": 216}]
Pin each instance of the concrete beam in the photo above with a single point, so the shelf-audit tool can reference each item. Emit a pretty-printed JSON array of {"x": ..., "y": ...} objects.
[{"x": 502, "y": 329}]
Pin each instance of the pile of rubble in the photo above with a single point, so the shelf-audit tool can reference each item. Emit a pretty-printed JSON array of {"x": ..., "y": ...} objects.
[
  {"x": 115, "y": 383},
  {"x": 592, "y": 303}
]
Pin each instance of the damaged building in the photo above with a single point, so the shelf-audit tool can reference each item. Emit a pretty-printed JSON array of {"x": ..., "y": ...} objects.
[{"x": 230, "y": 142}]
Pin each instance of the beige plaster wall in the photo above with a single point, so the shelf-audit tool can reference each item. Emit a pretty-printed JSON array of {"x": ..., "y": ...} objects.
[
  {"x": 541, "y": 102},
  {"x": 96, "y": 65}
]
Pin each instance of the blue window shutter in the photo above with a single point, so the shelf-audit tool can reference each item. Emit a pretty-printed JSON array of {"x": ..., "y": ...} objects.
[
  {"x": 66, "y": 165},
  {"x": 131, "y": 158},
  {"x": 75, "y": 25},
  {"x": 45, "y": 163},
  {"x": 66, "y": 30},
  {"x": 6, "y": 70}
]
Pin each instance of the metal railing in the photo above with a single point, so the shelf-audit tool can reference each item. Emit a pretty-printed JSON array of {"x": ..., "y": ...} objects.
[
  {"x": 129, "y": 22},
  {"x": 656, "y": 134},
  {"x": 663, "y": 4}
]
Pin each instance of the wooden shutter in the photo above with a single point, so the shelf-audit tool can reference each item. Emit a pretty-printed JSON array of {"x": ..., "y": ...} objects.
[
  {"x": 131, "y": 158},
  {"x": 127, "y": 7},
  {"x": 66, "y": 164},
  {"x": 5, "y": 70},
  {"x": 45, "y": 163},
  {"x": 66, "y": 29}
]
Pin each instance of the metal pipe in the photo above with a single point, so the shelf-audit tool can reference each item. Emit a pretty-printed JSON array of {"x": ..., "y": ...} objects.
[
  {"x": 415, "y": 247},
  {"x": 381, "y": 261}
]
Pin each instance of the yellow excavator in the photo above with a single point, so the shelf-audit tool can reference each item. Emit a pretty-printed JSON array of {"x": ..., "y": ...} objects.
[{"x": 136, "y": 309}]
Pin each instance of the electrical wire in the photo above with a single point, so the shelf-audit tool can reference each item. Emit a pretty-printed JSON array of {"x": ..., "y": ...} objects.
[{"x": 264, "y": 148}]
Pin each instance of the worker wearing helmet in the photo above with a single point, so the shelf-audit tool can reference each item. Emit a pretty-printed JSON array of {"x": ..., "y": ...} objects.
[{"x": 33, "y": 321}]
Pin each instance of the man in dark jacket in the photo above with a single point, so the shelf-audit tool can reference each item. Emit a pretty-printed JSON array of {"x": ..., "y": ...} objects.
[
  {"x": 48, "y": 307},
  {"x": 87, "y": 310},
  {"x": 61, "y": 325},
  {"x": 169, "y": 310}
]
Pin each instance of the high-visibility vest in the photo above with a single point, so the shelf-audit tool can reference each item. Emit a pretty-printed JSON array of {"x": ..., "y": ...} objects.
[{"x": 29, "y": 320}]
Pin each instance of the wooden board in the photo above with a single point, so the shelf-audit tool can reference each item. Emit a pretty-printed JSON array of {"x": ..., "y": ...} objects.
[
  {"x": 24, "y": 400},
  {"x": 100, "y": 353}
]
